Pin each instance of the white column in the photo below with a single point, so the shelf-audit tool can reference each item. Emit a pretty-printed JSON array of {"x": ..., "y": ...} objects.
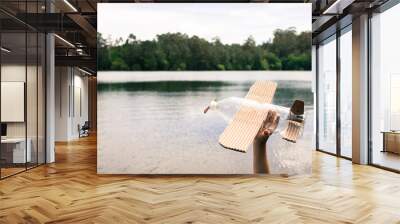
[
  {"x": 360, "y": 90},
  {"x": 314, "y": 91},
  {"x": 63, "y": 100},
  {"x": 50, "y": 98}
]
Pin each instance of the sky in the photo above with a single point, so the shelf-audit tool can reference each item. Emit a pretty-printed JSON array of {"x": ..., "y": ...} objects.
[{"x": 231, "y": 22}]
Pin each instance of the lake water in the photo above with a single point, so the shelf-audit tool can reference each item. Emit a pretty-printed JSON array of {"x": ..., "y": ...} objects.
[{"x": 153, "y": 122}]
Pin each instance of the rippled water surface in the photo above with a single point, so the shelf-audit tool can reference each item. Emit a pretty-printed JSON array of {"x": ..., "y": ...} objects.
[{"x": 156, "y": 125}]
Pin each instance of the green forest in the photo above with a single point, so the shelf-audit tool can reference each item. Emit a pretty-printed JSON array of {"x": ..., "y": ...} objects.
[{"x": 288, "y": 50}]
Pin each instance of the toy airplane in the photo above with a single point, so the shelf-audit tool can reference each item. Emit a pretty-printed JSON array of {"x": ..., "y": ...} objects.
[{"x": 247, "y": 121}]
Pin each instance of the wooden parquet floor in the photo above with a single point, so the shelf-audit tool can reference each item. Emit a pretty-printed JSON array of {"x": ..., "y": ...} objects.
[{"x": 70, "y": 191}]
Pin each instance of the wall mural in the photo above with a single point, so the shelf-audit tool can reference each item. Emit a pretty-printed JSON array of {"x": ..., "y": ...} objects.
[{"x": 201, "y": 88}]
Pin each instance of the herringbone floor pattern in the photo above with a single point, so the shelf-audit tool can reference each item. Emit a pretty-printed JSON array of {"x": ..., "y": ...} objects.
[{"x": 70, "y": 191}]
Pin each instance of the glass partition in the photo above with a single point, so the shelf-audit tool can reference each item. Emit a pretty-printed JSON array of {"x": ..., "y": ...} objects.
[
  {"x": 22, "y": 77},
  {"x": 41, "y": 96},
  {"x": 327, "y": 95},
  {"x": 346, "y": 93},
  {"x": 31, "y": 100},
  {"x": 13, "y": 110},
  {"x": 385, "y": 89}
]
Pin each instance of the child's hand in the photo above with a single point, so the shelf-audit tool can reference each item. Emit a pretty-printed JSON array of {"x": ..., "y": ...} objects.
[{"x": 268, "y": 127}]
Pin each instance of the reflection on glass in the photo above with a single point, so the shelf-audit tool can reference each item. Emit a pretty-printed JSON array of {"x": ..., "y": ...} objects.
[
  {"x": 22, "y": 91},
  {"x": 41, "y": 99},
  {"x": 31, "y": 100},
  {"x": 327, "y": 96},
  {"x": 14, "y": 153},
  {"x": 346, "y": 94},
  {"x": 385, "y": 86}
]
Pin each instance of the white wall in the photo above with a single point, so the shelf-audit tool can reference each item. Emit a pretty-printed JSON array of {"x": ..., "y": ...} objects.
[
  {"x": 17, "y": 73},
  {"x": 14, "y": 73},
  {"x": 33, "y": 126},
  {"x": 13, "y": 101},
  {"x": 62, "y": 82},
  {"x": 80, "y": 108},
  {"x": 70, "y": 109}
]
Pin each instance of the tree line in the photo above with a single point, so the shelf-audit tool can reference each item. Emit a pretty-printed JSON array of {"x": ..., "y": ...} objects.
[{"x": 288, "y": 50}]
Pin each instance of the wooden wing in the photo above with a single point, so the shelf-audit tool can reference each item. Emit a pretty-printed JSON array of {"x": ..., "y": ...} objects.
[{"x": 246, "y": 123}]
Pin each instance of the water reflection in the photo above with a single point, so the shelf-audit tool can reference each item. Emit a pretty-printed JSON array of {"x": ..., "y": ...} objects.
[
  {"x": 159, "y": 127},
  {"x": 286, "y": 93}
]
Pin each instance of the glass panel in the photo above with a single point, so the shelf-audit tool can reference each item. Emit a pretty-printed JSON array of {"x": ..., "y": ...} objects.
[
  {"x": 23, "y": 90},
  {"x": 41, "y": 99},
  {"x": 31, "y": 100},
  {"x": 346, "y": 94},
  {"x": 327, "y": 96},
  {"x": 385, "y": 84},
  {"x": 32, "y": 89},
  {"x": 13, "y": 86}
]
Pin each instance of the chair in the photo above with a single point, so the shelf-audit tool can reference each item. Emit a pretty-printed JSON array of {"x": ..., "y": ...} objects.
[{"x": 84, "y": 130}]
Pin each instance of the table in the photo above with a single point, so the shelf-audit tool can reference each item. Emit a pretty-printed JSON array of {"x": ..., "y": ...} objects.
[
  {"x": 391, "y": 141},
  {"x": 16, "y": 147}
]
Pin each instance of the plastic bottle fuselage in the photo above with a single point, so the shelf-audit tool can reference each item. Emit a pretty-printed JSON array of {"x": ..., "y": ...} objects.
[{"x": 227, "y": 108}]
